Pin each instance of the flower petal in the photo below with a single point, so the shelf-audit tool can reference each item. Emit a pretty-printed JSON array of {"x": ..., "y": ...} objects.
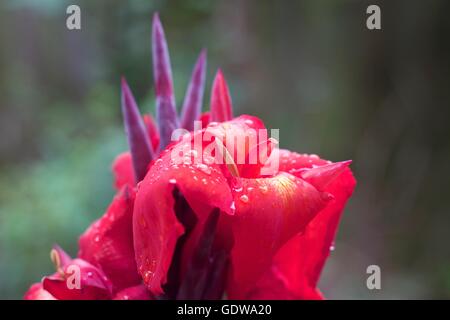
[
  {"x": 138, "y": 292},
  {"x": 205, "y": 118},
  {"x": 138, "y": 141},
  {"x": 166, "y": 113},
  {"x": 152, "y": 130},
  {"x": 269, "y": 212},
  {"x": 108, "y": 242},
  {"x": 194, "y": 96},
  {"x": 37, "y": 292},
  {"x": 156, "y": 227},
  {"x": 93, "y": 284},
  {"x": 221, "y": 107},
  {"x": 301, "y": 260},
  {"x": 122, "y": 168}
]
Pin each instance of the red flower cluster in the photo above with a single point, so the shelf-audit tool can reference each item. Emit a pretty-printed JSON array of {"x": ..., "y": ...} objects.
[{"x": 200, "y": 228}]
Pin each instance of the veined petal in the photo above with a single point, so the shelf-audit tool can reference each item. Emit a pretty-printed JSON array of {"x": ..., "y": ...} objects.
[
  {"x": 301, "y": 260},
  {"x": 138, "y": 141},
  {"x": 269, "y": 212},
  {"x": 166, "y": 113},
  {"x": 221, "y": 107},
  {"x": 108, "y": 242},
  {"x": 194, "y": 96}
]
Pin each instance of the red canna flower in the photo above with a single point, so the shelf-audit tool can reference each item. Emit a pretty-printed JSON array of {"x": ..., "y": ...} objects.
[
  {"x": 212, "y": 210},
  {"x": 259, "y": 216}
]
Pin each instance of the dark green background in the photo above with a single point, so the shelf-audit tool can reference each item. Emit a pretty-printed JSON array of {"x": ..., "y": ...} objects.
[{"x": 310, "y": 68}]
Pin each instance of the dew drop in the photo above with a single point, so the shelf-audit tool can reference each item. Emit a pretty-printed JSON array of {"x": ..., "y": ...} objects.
[
  {"x": 244, "y": 198},
  {"x": 173, "y": 181},
  {"x": 263, "y": 189},
  {"x": 233, "y": 207},
  {"x": 204, "y": 168}
]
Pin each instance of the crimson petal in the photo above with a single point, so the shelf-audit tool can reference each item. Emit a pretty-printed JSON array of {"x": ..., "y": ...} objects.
[
  {"x": 156, "y": 228},
  {"x": 300, "y": 261},
  {"x": 138, "y": 292},
  {"x": 221, "y": 107},
  {"x": 269, "y": 212},
  {"x": 93, "y": 283},
  {"x": 37, "y": 292}
]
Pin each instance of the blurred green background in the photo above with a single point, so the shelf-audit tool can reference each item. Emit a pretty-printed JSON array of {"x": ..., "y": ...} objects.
[{"x": 310, "y": 68}]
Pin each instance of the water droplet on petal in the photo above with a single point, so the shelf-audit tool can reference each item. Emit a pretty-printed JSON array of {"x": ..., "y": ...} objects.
[
  {"x": 233, "y": 207},
  {"x": 173, "y": 181},
  {"x": 244, "y": 198},
  {"x": 263, "y": 189},
  {"x": 204, "y": 168}
]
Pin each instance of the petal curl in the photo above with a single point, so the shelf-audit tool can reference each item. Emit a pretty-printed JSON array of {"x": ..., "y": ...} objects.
[
  {"x": 300, "y": 261},
  {"x": 269, "y": 212},
  {"x": 93, "y": 284}
]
